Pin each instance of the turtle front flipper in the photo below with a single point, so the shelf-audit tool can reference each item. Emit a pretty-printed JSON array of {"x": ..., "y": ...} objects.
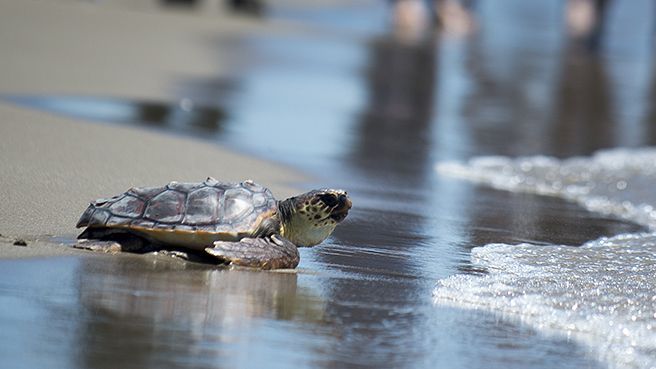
[{"x": 273, "y": 252}]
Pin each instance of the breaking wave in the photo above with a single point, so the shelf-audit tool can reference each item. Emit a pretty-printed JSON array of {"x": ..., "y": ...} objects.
[
  {"x": 620, "y": 182},
  {"x": 603, "y": 293}
]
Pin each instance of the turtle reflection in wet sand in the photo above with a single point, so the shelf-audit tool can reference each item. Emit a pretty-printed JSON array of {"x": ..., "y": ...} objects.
[{"x": 236, "y": 223}]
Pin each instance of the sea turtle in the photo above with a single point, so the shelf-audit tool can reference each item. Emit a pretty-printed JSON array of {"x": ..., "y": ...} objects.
[{"x": 237, "y": 223}]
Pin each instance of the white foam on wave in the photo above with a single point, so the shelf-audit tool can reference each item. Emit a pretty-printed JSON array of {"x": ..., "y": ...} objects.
[
  {"x": 618, "y": 182},
  {"x": 603, "y": 293}
]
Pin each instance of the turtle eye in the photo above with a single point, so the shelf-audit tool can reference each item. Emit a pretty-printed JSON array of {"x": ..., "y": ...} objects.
[{"x": 329, "y": 199}]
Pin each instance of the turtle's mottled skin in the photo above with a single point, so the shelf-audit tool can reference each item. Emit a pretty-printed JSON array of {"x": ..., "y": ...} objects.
[{"x": 238, "y": 223}]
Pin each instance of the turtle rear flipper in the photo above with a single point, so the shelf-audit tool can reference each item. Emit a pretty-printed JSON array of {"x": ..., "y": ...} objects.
[
  {"x": 114, "y": 240},
  {"x": 273, "y": 252},
  {"x": 108, "y": 247}
]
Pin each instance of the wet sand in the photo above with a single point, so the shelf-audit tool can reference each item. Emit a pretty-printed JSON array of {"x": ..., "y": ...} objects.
[
  {"x": 52, "y": 166},
  {"x": 385, "y": 114}
]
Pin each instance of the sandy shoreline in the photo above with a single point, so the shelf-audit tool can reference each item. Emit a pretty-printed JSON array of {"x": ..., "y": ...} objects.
[{"x": 50, "y": 166}]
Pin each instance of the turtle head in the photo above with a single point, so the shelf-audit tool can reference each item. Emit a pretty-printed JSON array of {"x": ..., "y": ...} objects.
[{"x": 310, "y": 218}]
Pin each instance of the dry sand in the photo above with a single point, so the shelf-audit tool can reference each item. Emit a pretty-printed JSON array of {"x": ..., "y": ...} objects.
[
  {"x": 77, "y": 47},
  {"x": 51, "y": 167}
]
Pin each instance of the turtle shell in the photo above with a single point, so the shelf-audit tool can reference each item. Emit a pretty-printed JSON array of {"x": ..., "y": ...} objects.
[{"x": 186, "y": 214}]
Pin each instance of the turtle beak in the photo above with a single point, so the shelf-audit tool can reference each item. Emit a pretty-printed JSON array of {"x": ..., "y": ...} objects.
[{"x": 340, "y": 211}]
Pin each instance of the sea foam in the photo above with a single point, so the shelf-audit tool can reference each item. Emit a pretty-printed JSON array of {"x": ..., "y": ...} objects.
[{"x": 603, "y": 293}]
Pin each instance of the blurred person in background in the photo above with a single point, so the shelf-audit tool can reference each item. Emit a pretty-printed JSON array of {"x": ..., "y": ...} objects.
[
  {"x": 412, "y": 19},
  {"x": 585, "y": 20}
]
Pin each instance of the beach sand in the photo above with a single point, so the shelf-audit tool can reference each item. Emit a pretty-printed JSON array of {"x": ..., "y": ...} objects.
[{"x": 50, "y": 166}]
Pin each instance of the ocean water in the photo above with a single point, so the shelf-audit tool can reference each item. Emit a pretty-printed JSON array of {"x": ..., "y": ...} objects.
[
  {"x": 362, "y": 112},
  {"x": 601, "y": 294}
]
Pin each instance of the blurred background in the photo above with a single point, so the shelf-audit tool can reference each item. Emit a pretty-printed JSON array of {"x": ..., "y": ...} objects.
[
  {"x": 368, "y": 95},
  {"x": 432, "y": 80}
]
